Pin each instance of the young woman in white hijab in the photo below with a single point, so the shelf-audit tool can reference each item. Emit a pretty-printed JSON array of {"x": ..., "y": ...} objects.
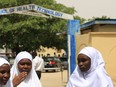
[
  {"x": 90, "y": 71},
  {"x": 23, "y": 73},
  {"x": 4, "y": 73}
]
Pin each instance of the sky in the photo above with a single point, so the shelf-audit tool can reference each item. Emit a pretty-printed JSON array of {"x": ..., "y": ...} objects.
[{"x": 92, "y": 8}]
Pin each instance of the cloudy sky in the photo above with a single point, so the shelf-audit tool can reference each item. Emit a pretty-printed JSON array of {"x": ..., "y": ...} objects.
[{"x": 92, "y": 8}]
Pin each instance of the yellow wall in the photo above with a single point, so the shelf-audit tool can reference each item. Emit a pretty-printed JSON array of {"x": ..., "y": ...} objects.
[
  {"x": 45, "y": 51},
  {"x": 105, "y": 42}
]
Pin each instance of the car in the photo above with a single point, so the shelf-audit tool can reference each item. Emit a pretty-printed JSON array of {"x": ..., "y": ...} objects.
[
  {"x": 52, "y": 64},
  {"x": 64, "y": 62}
]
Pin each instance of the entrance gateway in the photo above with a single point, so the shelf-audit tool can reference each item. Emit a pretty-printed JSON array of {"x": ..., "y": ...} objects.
[
  {"x": 38, "y": 11},
  {"x": 73, "y": 26}
]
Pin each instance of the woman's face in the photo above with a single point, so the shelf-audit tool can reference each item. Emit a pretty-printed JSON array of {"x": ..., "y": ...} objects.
[
  {"x": 84, "y": 62},
  {"x": 4, "y": 73},
  {"x": 25, "y": 65}
]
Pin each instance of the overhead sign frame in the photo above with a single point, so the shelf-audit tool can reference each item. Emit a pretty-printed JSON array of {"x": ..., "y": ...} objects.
[{"x": 27, "y": 10}]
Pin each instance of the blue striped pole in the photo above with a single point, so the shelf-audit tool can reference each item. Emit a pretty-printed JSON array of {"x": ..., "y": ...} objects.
[{"x": 73, "y": 28}]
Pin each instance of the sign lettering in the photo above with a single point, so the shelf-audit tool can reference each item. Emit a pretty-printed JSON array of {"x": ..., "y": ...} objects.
[
  {"x": 20, "y": 9},
  {"x": 49, "y": 12}
]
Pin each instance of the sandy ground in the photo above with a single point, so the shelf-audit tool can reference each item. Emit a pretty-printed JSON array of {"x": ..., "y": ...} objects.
[{"x": 54, "y": 79}]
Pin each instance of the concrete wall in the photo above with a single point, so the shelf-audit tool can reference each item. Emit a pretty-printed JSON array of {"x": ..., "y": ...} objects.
[{"x": 105, "y": 42}]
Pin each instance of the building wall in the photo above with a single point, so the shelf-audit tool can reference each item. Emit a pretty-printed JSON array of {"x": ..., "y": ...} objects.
[
  {"x": 106, "y": 28},
  {"x": 4, "y": 51},
  {"x": 44, "y": 52},
  {"x": 99, "y": 28},
  {"x": 105, "y": 42}
]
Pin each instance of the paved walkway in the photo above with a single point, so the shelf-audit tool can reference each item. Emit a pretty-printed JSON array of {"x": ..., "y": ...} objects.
[{"x": 54, "y": 79}]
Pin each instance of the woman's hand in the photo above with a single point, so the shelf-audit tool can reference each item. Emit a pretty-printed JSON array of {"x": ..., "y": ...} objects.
[{"x": 18, "y": 79}]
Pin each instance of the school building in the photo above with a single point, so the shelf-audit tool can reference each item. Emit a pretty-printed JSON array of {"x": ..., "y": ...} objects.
[{"x": 101, "y": 34}]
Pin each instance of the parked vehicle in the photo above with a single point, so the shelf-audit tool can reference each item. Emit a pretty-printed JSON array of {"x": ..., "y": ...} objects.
[
  {"x": 64, "y": 62},
  {"x": 52, "y": 64}
]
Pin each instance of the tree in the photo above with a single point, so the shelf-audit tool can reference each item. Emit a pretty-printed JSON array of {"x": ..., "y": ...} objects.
[
  {"x": 22, "y": 32},
  {"x": 82, "y": 20},
  {"x": 102, "y": 17}
]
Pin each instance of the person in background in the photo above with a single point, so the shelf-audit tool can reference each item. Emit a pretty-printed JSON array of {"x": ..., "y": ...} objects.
[
  {"x": 90, "y": 71},
  {"x": 22, "y": 71},
  {"x": 38, "y": 64},
  {"x": 4, "y": 73}
]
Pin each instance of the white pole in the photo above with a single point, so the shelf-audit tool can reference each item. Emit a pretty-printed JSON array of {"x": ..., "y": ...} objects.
[{"x": 69, "y": 54}]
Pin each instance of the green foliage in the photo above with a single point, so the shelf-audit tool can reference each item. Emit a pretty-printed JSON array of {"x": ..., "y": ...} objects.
[
  {"x": 102, "y": 17},
  {"x": 7, "y": 3},
  {"x": 23, "y": 32},
  {"x": 82, "y": 20}
]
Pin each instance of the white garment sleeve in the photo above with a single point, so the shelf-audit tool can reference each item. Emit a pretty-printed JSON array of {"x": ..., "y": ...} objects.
[{"x": 38, "y": 63}]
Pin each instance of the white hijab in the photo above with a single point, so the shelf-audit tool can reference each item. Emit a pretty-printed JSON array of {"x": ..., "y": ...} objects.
[
  {"x": 4, "y": 61},
  {"x": 32, "y": 79},
  {"x": 96, "y": 76}
]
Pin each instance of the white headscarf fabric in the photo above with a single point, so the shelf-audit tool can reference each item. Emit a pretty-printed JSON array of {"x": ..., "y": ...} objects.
[
  {"x": 96, "y": 76},
  {"x": 32, "y": 79},
  {"x": 4, "y": 61}
]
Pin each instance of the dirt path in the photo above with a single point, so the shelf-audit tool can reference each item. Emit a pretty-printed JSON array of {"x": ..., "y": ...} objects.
[{"x": 54, "y": 79}]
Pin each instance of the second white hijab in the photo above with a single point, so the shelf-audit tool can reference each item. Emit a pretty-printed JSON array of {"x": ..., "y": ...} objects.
[
  {"x": 96, "y": 76},
  {"x": 32, "y": 79}
]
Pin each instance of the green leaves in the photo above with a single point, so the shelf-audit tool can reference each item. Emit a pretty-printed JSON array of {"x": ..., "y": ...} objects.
[{"x": 23, "y": 32}]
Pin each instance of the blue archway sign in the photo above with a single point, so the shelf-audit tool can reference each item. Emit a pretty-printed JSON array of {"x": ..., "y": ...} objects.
[
  {"x": 73, "y": 28},
  {"x": 35, "y": 10}
]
